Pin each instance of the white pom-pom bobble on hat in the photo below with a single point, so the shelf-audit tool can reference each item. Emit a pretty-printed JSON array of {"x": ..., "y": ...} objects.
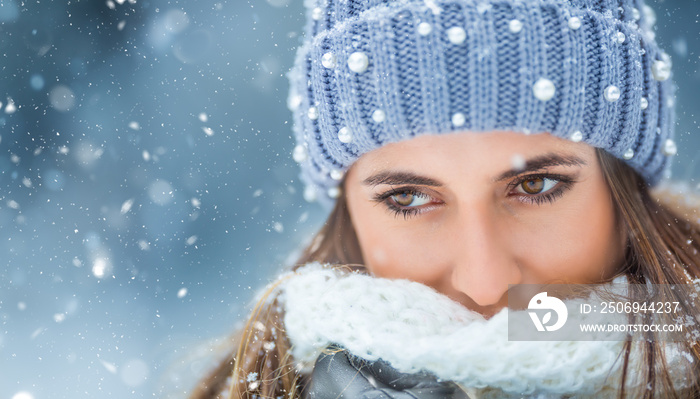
[
  {"x": 424, "y": 29},
  {"x": 456, "y": 35},
  {"x": 612, "y": 93},
  {"x": 358, "y": 62},
  {"x": 574, "y": 23},
  {"x": 344, "y": 135},
  {"x": 379, "y": 116},
  {"x": 515, "y": 25},
  {"x": 544, "y": 89},
  {"x": 329, "y": 60}
]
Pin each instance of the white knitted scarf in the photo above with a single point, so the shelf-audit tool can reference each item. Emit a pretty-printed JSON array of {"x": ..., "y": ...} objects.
[{"x": 415, "y": 328}]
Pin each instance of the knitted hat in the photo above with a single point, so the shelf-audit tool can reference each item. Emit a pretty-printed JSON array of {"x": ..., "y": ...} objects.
[{"x": 371, "y": 72}]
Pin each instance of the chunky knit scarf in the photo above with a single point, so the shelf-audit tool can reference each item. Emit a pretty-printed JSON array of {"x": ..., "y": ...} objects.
[{"x": 415, "y": 328}]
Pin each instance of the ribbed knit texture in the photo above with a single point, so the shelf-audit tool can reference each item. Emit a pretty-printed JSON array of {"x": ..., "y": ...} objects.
[{"x": 423, "y": 80}]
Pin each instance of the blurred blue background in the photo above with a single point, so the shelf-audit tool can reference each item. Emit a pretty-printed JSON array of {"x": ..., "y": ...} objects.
[{"x": 147, "y": 189}]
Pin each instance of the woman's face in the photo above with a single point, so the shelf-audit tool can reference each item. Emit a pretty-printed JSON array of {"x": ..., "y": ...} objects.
[{"x": 470, "y": 213}]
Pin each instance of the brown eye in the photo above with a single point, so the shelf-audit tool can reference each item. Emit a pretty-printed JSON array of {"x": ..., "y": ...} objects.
[
  {"x": 404, "y": 199},
  {"x": 533, "y": 186},
  {"x": 410, "y": 199},
  {"x": 536, "y": 185}
]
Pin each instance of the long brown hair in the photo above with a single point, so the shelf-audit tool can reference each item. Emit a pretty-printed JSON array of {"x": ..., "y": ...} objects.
[{"x": 663, "y": 248}]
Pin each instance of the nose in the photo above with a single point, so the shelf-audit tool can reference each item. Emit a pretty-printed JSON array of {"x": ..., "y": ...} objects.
[{"x": 483, "y": 264}]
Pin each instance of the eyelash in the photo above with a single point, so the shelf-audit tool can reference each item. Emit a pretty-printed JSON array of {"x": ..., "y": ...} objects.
[
  {"x": 563, "y": 183},
  {"x": 407, "y": 212}
]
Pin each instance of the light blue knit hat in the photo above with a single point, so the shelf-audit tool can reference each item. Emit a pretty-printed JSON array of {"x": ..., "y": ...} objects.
[{"x": 371, "y": 72}]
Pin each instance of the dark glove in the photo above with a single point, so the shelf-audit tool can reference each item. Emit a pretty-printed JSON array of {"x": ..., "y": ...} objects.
[{"x": 342, "y": 375}]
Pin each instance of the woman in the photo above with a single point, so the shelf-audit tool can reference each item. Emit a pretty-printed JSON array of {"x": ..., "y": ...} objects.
[{"x": 470, "y": 145}]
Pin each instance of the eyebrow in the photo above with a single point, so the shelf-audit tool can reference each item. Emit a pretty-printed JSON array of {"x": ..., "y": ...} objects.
[
  {"x": 541, "y": 162},
  {"x": 400, "y": 177},
  {"x": 533, "y": 164}
]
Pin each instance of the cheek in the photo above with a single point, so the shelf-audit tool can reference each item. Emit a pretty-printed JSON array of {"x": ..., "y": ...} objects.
[
  {"x": 393, "y": 250},
  {"x": 581, "y": 245}
]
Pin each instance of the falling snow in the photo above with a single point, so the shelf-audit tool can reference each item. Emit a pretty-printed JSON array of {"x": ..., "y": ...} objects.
[
  {"x": 148, "y": 187},
  {"x": 252, "y": 377}
]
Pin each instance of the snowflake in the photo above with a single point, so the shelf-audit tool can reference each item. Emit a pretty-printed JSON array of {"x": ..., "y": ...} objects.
[{"x": 252, "y": 377}]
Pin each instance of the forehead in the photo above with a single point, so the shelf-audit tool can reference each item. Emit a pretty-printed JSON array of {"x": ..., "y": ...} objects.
[{"x": 469, "y": 151}]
